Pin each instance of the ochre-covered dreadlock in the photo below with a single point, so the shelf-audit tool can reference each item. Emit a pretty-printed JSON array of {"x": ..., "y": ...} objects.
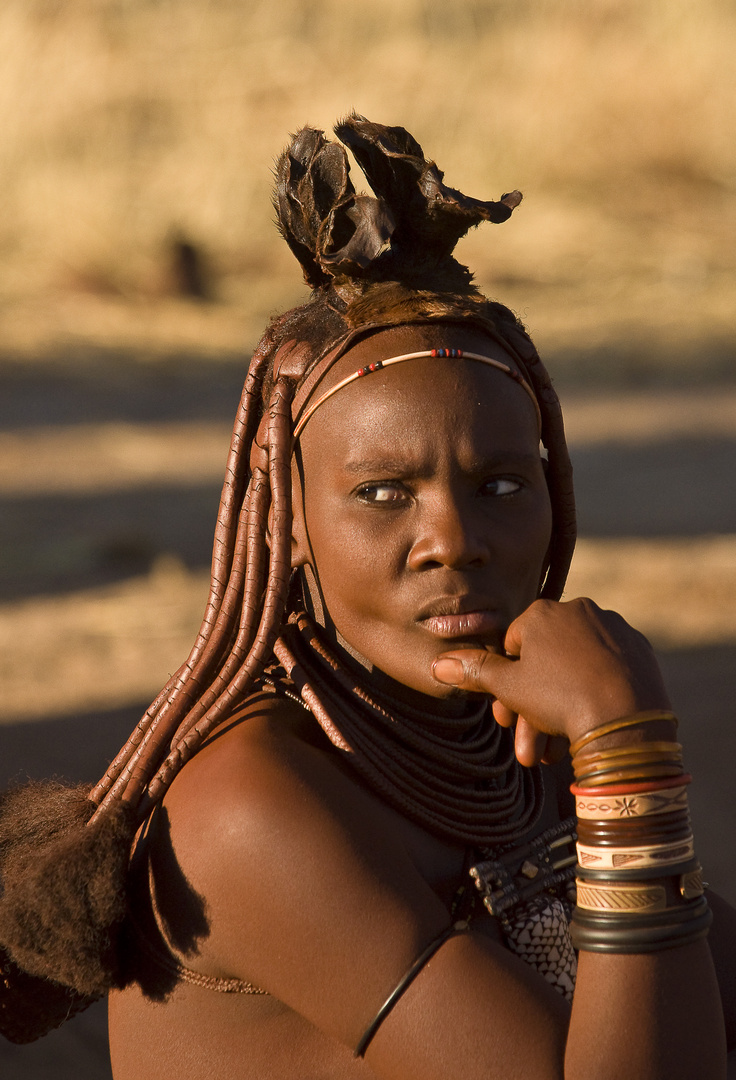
[{"x": 372, "y": 261}]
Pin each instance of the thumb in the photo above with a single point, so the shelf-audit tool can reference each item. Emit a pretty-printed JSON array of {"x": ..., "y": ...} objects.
[{"x": 475, "y": 670}]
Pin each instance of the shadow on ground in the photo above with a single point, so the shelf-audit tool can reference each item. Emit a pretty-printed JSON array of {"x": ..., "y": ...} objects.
[
  {"x": 112, "y": 385},
  {"x": 58, "y": 543}
]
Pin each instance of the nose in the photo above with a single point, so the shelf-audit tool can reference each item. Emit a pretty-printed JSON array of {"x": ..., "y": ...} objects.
[{"x": 449, "y": 535}]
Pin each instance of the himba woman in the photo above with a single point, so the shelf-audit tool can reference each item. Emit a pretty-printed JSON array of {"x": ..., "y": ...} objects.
[{"x": 367, "y": 866}]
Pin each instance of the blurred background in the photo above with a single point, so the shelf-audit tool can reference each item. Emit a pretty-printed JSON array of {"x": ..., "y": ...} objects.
[{"x": 139, "y": 264}]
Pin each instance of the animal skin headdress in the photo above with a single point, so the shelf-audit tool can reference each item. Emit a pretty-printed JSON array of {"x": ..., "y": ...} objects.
[
  {"x": 372, "y": 261},
  {"x": 407, "y": 230}
]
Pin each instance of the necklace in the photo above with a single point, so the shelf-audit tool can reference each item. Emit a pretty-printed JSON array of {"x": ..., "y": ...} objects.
[{"x": 456, "y": 776}]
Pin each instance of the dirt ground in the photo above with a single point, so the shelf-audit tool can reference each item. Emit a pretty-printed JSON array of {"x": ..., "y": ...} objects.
[{"x": 109, "y": 480}]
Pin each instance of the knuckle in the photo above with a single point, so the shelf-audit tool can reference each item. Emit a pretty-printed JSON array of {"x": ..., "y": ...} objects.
[
  {"x": 539, "y": 610},
  {"x": 482, "y": 666}
]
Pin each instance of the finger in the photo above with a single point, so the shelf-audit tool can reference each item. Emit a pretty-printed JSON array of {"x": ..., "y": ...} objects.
[
  {"x": 503, "y": 716},
  {"x": 515, "y": 634},
  {"x": 556, "y": 749},
  {"x": 529, "y": 743},
  {"x": 475, "y": 670},
  {"x": 512, "y": 640}
]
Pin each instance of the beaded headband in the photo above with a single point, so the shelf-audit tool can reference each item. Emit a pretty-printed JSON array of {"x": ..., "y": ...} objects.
[{"x": 459, "y": 354}]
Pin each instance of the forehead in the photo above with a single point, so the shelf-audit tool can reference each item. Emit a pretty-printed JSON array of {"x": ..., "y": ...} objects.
[
  {"x": 396, "y": 340},
  {"x": 424, "y": 401}
]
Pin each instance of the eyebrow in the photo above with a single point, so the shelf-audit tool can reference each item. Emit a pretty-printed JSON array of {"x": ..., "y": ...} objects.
[
  {"x": 390, "y": 466},
  {"x": 379, "y": 465}
]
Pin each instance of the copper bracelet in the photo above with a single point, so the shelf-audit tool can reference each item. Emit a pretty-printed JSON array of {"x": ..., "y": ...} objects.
[
  {"x": 600, "y": 777},
  {"x": 647, "y": 716},
  {"x": 631, "y": 748},
  {"x": 621, "y": 756},
  {"x": 583, "y": 768}
]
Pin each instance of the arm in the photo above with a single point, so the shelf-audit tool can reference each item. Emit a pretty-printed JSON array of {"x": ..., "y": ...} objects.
[
  {"x": 570, "y": 668},
  {"x": 312, "y": 896},
  {"x": 722, "y": 942}
]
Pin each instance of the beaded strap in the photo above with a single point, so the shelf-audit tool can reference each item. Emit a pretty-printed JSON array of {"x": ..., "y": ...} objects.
[{"x": 455, "y": 354}]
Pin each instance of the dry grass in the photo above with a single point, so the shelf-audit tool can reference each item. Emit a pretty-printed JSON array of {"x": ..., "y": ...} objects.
[{"x": 127, "y": 122}]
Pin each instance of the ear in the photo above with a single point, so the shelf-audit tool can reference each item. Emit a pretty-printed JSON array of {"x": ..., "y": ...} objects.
[
  {"x": 299, "y": 545},
  {"x": 300, "y": 554},
  {"x": 548, "y": 553},
  {"x": 300, "y": 549}
]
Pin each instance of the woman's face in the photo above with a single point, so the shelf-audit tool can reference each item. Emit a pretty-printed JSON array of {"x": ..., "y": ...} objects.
[{"x": 421, "y": 504}]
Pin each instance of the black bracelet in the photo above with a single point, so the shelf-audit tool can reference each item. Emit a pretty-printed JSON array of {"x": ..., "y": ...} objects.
[
  {"x": 641, "y": 934},
  {"x": 416, "y": 967},
  {"x": 671, "y": 916},
  {"x": 645, "y": 873}
]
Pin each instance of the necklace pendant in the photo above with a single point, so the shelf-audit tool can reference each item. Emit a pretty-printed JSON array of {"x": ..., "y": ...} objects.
[{"x": 516, "y": 875}]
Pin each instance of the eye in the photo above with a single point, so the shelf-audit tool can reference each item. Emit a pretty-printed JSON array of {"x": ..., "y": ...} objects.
[
  {"x": 500, "y": 486},
  {"x": 386, "y": 493}
]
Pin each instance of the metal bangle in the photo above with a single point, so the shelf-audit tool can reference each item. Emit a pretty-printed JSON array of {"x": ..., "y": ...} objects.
[
  {"x": 647, "y": 716},
  {"x": 615, "y": 776},
  {"x": 423, "y": 958},
  {"x": 631, "y": 750},
  {"x": 584, "y": 763}
]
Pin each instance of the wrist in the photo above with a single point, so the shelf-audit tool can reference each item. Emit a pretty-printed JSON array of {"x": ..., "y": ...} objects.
[{"x": 639, "y": 884}]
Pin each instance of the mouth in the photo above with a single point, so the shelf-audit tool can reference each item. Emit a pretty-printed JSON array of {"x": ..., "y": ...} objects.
[{"x": 461, "y": 617}]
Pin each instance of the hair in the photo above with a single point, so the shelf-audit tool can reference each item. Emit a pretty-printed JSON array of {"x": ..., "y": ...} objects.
[{"x": 371, "y": 261}]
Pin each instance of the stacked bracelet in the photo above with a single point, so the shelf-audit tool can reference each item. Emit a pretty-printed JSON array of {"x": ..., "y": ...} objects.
[
  {"x": 639, "y": 884},
  {"x": 646, "y": 717},
  {"x": 645, "y": 761}
]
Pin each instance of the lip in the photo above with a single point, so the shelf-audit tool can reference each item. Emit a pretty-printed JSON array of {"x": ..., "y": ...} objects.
[{"x": 460, "y": 617}]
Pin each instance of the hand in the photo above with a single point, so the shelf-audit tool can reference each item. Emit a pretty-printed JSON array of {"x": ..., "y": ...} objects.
[{"x": 569, "y": 667}]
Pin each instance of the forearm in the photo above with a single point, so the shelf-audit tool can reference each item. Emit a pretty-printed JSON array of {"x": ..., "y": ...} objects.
[
  {"x": 647, "y": 1002},
  {"x": 722, "y": 943},
  {"x": 655, "y": 1013},
  {"x": 654, "y": 1016}
]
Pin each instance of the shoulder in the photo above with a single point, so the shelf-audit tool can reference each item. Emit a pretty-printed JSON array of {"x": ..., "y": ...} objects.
[
  {"x": 288, "y": 874},
  {"x": 267, "y": 774},
  {"x": 287, "y": 855}
]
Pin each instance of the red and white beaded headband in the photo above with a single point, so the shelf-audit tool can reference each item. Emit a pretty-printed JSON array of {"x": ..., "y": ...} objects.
[{"x": 459, "y": 354}]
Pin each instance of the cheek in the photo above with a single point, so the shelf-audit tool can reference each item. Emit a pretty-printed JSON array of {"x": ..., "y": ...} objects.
[
  {"x": 524, "y": 548},
  {"x": 352, "y": 552},
  {"x": 358, "y": 567}
]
